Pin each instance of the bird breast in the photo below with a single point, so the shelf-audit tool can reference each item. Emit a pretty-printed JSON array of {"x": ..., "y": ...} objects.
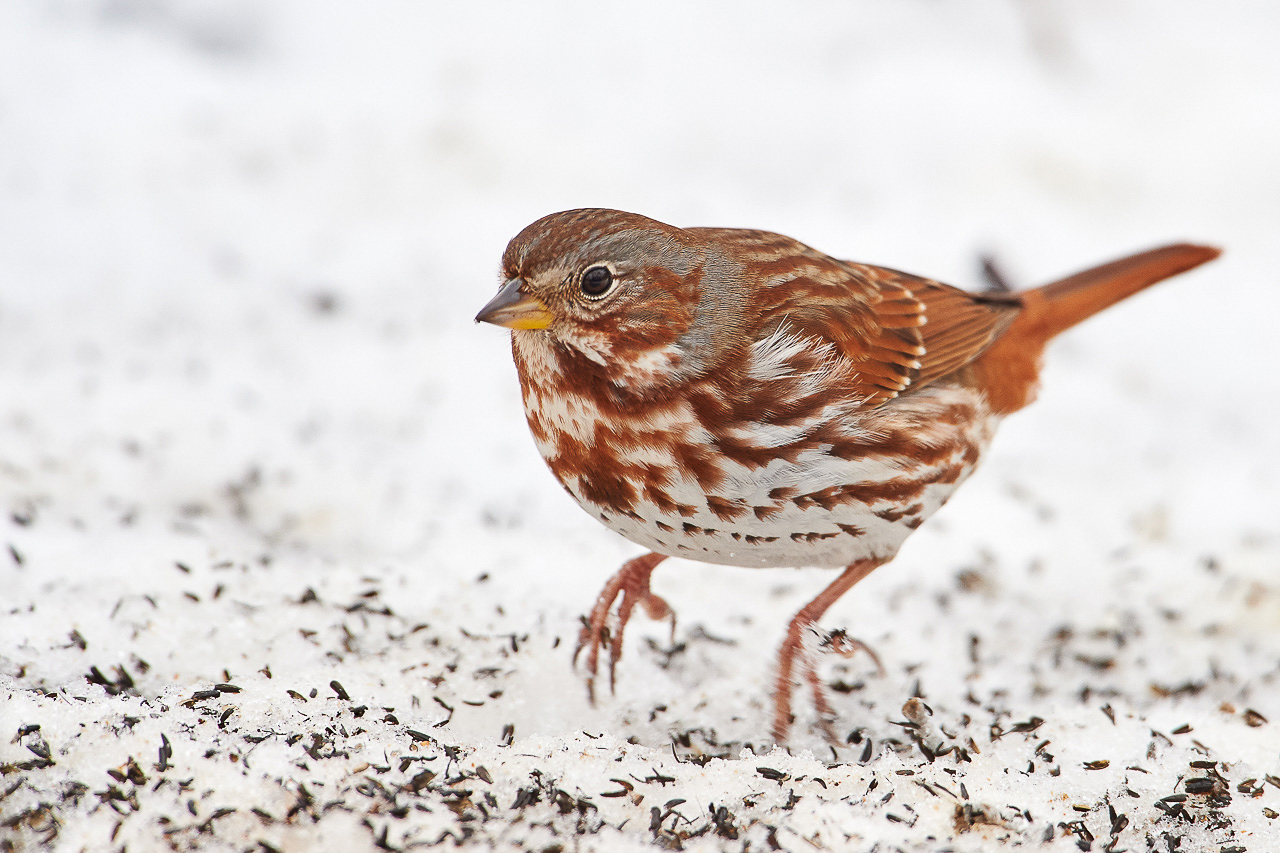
[{"x": 791, "y": 474}]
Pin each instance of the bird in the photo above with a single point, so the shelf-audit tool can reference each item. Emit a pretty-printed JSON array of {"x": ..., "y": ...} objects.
[{"x": 734, "y": 396}]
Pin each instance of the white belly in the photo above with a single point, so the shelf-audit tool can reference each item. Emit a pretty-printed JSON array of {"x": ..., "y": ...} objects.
[{"x": 797, "y": 534}]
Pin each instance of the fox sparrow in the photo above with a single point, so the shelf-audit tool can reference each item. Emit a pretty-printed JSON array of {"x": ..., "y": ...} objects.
[{"x": 736, "y": 397}]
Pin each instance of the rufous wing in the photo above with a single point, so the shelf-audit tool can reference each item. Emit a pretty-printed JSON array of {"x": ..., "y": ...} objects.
[{"x": 901, "y": 332}]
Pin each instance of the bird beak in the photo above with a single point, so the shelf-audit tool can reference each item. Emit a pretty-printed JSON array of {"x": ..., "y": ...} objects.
[{"x": 514, "y": 309}]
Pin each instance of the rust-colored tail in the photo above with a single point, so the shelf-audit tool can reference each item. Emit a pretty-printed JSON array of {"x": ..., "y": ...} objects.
[{"x": 1007, "y": 370}]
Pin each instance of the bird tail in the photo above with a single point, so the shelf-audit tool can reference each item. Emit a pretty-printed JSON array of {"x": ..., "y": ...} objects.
[{"x": 1007, "y": 370}]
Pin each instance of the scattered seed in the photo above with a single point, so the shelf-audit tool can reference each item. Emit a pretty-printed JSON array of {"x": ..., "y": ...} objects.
[
  {"x": 1200, "y": 785},
  {"x": 626, "y": 788},
  {"x": 166, "y": 752}
]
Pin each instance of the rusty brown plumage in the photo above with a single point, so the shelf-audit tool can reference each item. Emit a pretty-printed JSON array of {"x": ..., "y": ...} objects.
[{"x": 737, "y": 397}]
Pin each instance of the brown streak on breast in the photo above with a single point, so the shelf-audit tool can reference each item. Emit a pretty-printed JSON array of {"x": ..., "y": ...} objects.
[
  {"x": 726, "y": 509},
  {"x": 602, "y": 477},
  {"x": 660, "y": 499},
  {"x": 708, "y": 405},
  {"x": 754, "y": 456},
  {"x": 900, "y": 491},
  {"x": 945, "y": 475},
  {"x": 899, "y": 514},
  {"x": 828, "y": 498},
  {"x": 764, "y": 513},
  {"x": 886, "y": 491},
  {"x": 899, "y": 444},
  {"x": 699, "y": 462},
  {"x": 787, "y": 409},
  {"x": 812, "y": 537},
  {"x": 863, "y": 493},
  {"x": 611, "y": 492}
]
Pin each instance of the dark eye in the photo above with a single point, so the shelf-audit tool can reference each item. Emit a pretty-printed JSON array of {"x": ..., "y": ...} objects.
[{"x": 596, "y": 282}]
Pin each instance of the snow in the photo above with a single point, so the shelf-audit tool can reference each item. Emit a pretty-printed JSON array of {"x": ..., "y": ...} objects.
[{"x": 280, "y": 566}]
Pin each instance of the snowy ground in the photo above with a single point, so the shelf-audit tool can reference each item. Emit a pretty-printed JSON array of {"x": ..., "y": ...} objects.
[{"x": 280, "y": 568}]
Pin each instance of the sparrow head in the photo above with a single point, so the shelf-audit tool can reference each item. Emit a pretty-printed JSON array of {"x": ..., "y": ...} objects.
[{"x": 618, "y": 289}]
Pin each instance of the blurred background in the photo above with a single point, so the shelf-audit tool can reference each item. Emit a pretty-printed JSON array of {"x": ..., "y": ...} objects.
[{"x": 242, "y": 396}]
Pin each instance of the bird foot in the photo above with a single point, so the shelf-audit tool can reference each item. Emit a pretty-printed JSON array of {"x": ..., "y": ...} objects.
[
  {"x": 604, "y": 626},
  {"x": 802, "y": 646},
  {"x": 801, "y": 650}
]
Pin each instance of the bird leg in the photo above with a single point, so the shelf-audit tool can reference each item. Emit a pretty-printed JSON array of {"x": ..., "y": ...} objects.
[
  {"x": 601, "y": 627},
  {"x": 795, "y": 646}
]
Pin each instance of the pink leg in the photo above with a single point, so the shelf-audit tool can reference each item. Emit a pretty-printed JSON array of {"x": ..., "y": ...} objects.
[
  {"x": 632, "y": 584},
  {"x": 794, "y": 646}
]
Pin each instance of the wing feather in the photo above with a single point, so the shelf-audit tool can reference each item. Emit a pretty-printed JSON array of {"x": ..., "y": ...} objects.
[{"x": 897, "y": 332}]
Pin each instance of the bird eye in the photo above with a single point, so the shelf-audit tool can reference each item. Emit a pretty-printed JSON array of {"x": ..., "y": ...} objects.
[{"x": 596, "y": 282}]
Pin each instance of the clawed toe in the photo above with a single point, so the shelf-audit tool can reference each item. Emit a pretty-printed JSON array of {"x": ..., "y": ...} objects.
[
  {"x": 800, "y": 653},
  {"x": 605, "y": 627},
  {"x": 841, "y": 643}
]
